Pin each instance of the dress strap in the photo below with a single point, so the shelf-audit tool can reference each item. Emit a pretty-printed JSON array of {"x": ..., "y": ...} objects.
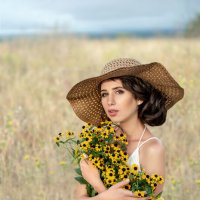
[
  {"x": 141, "y": 136},
  {"x": 147, "y": 141}
]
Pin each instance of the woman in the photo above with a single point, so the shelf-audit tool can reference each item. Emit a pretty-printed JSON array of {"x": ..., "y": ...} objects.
[{"x": 130, "y": 94}]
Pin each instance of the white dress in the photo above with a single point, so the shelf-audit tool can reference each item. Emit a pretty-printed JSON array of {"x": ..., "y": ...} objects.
[{"x": 134, "y": 158}]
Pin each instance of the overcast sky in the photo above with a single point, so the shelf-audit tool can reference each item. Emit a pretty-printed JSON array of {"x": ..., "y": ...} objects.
[{"x": 95, "y": 15}]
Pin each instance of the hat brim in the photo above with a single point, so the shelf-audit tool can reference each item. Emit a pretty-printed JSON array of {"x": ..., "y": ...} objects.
[{"x": 85, "y": 98}]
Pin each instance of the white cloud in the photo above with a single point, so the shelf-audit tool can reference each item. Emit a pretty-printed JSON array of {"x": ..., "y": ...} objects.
[{"x": 90, "y": 15}]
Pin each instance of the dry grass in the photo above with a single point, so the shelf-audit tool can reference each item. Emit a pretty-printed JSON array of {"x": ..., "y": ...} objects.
[{"x": 35, "y": 76}]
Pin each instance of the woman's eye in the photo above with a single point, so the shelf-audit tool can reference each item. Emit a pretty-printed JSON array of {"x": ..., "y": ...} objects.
[
  {"x": 119, "y": 91},
  {"x": 103, "y": 94}
]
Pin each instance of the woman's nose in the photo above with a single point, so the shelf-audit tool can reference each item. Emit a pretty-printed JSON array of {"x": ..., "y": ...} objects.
[{"x": 111, "y": 100}]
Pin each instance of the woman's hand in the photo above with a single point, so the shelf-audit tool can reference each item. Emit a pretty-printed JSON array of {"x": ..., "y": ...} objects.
[
  {"x": 91, "y": 174},
  {"x": 117, "y": 193}
]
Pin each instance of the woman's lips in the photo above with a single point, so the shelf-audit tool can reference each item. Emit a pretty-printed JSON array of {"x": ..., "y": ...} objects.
[{"x": 112, "y": 112}]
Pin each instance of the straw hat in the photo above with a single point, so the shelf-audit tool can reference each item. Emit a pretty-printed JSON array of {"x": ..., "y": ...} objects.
[{"x": 85, "y": 97}]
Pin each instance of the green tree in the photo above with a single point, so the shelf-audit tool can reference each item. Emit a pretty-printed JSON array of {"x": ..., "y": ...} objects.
[{"x": 193, "y": 27}]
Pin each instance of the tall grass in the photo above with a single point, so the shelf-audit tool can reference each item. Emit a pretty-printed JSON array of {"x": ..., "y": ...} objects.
[{"x": 35, "y": 76}]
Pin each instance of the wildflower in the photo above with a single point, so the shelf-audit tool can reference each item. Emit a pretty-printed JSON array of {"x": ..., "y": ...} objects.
[
  {"x": 98, "y": 147},
  {"x": 139, "y": 193},
  {"x": 26, "y": 157},
  {"x": 160, "y": 198},
  {"x": 134, "y": 169},
  {"x": 153, "y": 186},
  {"x": 160, "y": 179},
  {"x": 127, "y": 187},
  {"x": 51, "y": 172},
  {"x": 63, "y": 163},
  {"x": 143, "y": 176},
  {"x": 37, "y": 163},
  {"x": 56, "y": 139},
  {"x": 69, "y": 134},
  {"x": 154, "y": 176},
  {"x": 173, "y": 181},
  {"x": 198, "y": 181}
]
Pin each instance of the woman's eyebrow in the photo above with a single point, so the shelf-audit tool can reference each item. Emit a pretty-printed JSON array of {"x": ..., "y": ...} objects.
[{"x": 119, "y": 87}]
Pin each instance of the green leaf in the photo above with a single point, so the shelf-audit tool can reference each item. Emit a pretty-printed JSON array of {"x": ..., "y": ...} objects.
[
  {"x": 81, "y": 180},
  {"x": 78, "y": 171},
  {"x": 158, "y": 195},
  {"x": 148, "y": 189},
  {"x": 58, "y": 144},
  {"x": 90, "y": 191},
  {"x": 95, "y": 140},
  {"x": 110, "y": 138}
]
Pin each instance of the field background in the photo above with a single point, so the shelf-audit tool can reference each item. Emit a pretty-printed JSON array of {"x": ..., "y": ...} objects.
[{"x": 35, "y": 75}]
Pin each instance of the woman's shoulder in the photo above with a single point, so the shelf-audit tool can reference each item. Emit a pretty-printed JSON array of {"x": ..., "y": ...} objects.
[
  {"x": 153, "y": 147},
  {"x": 152, "y": 156}
]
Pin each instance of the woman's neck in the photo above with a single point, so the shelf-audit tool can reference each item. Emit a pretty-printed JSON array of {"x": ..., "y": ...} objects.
[{"x": 133, "y": 128}]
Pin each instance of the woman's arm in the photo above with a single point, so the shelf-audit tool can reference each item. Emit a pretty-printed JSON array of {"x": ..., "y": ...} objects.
[
  {"x": 82, "y": 194},
  {"x": 91, "y": 174},
  {"x": 152, "y": 158},
  {"x": 113, "y": 193}
]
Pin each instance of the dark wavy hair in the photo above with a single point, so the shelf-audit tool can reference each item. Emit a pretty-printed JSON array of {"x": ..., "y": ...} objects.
[{"x": 152, "y": 111}]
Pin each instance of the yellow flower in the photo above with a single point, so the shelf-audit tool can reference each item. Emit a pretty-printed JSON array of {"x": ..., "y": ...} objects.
[
  {"x": 198, "y": 181},
  {"x": 153, "y": 186},
  {"x": 96, "y": 161},
  {"x": 124, "y": 156},
  {"x": 111, "y": 174},
  {"x": 26, "y": 157},
  {"x": 84, "y": 145},
  {"x": 37, "y": 163},
  {"x": 152, "y": 197},
  {"x": 56, "y": 139},
  {"x": 100, "y": 165},
  {"x": 173, "y": 181},
  {"x": 106, "y": 149},
  {"x": 134, "y": 169},
  {"x": 81, "y": 135},
  {"x": 154, "y": 176},
  {"x": 105, "y": 134},
  {"x": 127, "y": 187},
  {"x": 98, "y": 129},
  {"x": 88, "y": 125},
  {"x": 60, "y": 134},
  {"x": 106, "y": 123},
  {"x": 109, "y": 181},
  {"x": 139, "y": 193},
  {"x": 62, "y": 163},
  {"x": 98, "y": 147},
  {"x": 51, "y": 172},
  {"x": 69, "y": 134},
  {"x": 123, "y": 172},
  {"x": 160, "y": 179},
  {"x": 143, "y": 176}
]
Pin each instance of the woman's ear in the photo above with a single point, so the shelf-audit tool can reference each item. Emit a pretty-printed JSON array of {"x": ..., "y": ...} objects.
[{"x": 139, "y": 102}]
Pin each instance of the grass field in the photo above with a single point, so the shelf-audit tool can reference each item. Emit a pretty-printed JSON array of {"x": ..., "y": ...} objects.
[{"x": 35, "y": 75}]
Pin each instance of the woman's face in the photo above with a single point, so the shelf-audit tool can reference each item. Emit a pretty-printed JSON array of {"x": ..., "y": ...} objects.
[{"x": 118, "y": 103}]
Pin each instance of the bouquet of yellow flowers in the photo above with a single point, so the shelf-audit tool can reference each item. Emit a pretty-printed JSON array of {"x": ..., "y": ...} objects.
[{"x": 107, "y": 152}]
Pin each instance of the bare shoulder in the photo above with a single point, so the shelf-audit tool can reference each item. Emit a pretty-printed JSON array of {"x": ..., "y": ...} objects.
[
  {"x": 152, "y": 156},
  {"x": 153, "y": 147}
]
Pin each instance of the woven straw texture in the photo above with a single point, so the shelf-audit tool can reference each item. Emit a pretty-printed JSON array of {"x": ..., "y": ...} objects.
[{"x": 85, "y": 98}]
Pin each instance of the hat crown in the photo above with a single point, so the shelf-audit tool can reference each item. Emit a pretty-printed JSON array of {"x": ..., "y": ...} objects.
[{"x": 119, "y": 63}]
